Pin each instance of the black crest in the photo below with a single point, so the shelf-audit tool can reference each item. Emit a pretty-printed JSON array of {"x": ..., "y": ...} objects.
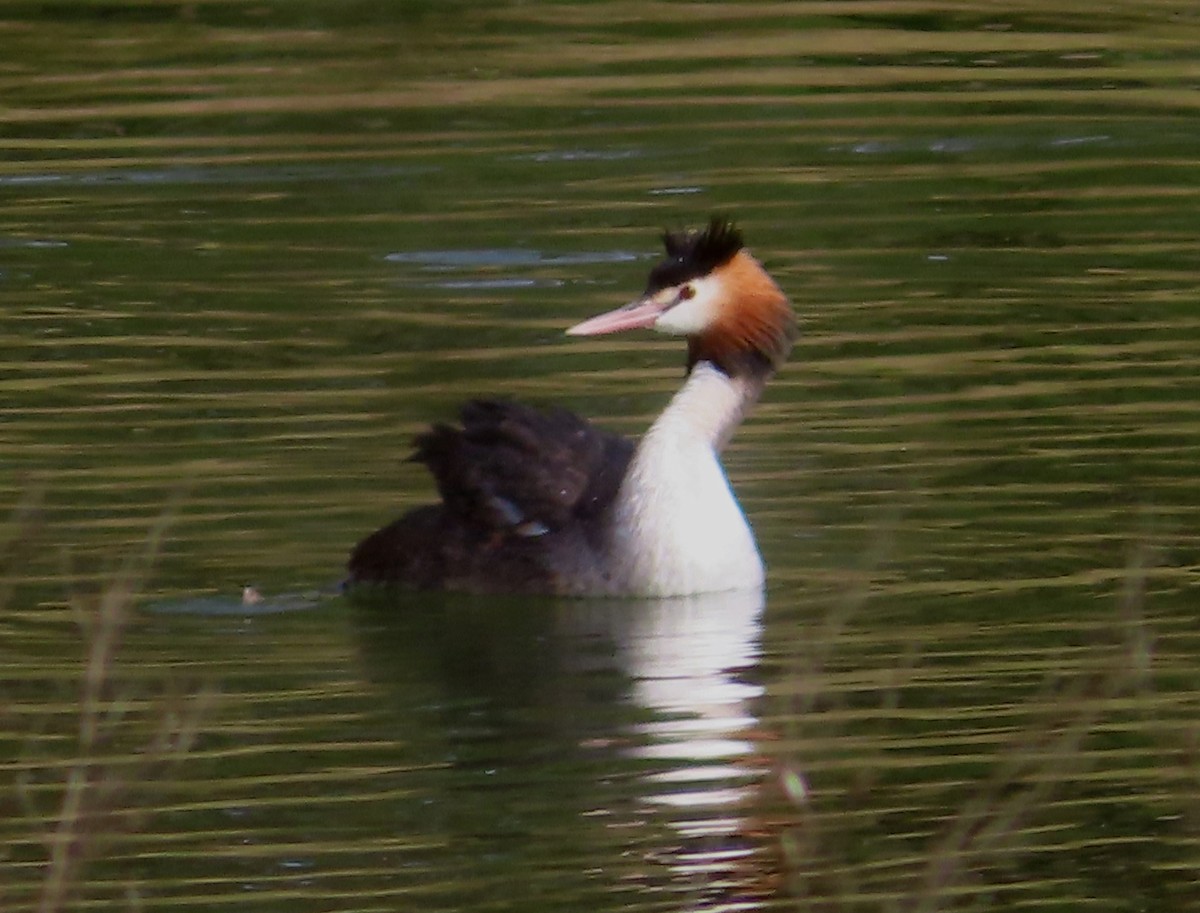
[{"x": 692, "y": 254}]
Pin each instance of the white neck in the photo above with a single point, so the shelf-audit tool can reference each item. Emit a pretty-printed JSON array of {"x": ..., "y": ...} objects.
[{"x": 675, "y": 527}]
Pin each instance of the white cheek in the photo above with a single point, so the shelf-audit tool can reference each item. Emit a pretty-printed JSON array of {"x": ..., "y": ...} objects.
[{"x": 695, "y": 314}]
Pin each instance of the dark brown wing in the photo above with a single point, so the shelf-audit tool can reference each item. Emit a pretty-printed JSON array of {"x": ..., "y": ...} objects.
[
  {"x": 511, "y": 467},
  {"x": 519, "y": 488}
]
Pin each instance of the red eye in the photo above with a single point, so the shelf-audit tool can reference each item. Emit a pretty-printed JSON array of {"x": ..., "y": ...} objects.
[{"x": 686, "y": 292}]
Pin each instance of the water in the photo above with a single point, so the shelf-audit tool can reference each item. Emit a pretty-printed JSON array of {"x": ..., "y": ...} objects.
[{"x": 249, "y": 249}]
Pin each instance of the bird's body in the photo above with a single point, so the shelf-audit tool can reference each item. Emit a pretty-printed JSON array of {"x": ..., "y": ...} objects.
[{"x": 545, "y": 502}]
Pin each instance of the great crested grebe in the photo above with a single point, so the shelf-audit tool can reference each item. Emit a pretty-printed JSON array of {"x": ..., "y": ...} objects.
[{"x": 544, "y": 502}]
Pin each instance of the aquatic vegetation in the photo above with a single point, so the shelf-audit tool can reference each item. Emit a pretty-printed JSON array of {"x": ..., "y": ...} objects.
[{"x": 81, "y": 772}]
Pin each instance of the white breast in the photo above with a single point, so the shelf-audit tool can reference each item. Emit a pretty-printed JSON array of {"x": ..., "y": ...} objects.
[{"x": 676, "y": 527}]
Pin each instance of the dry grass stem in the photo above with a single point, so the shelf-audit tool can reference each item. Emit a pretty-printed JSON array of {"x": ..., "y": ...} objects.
[{"x": 125, "y": 739}]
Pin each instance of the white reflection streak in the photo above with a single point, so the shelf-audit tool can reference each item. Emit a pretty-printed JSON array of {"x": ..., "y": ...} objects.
[{"x": 685, "y": 657}]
